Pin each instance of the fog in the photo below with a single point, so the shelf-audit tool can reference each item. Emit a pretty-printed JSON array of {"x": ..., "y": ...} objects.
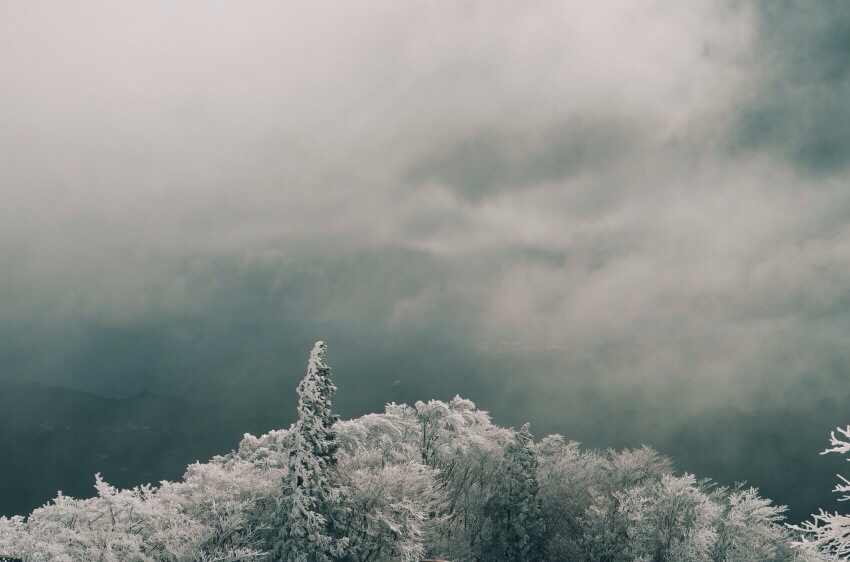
[{"x": 188, "y": 181}]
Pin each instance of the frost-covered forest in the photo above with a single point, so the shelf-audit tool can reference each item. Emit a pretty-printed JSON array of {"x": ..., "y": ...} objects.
[{"x": 434, "y": 480}]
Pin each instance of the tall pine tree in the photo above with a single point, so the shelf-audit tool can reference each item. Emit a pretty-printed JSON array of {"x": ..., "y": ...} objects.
[
  {"x": 514, "y": 514},
  {"x": 307, "y": 519}
]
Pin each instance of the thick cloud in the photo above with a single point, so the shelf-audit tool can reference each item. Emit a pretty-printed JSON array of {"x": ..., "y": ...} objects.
[
  {"x": 546, "y": 171},
  {"x": 798, "y": 108}
]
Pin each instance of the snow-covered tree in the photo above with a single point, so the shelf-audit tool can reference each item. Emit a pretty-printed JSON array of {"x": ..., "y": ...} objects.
[
  {"x": 234, "y": 500},
  {"x": 389, "y": 506},
  {"x": 391, "y": 496},
  {"x": 568, "y": 479},
  {"x": 515, "y": 530},
  {"x": 307, "y": 520},
  {"x": 462, "y": 443},
  {"x": 830, "y": 532},
  {"x": 604, "y": 524},
  {"x": 750, "y": 530},
  {"x": 12, "y": 533},
  {"x": 436, "y": 480},
  {"x": 137, "y": 525},
  {"x": 671, "y": 519}
]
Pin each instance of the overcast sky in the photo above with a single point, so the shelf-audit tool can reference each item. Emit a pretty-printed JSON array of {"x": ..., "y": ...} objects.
[{"x": 540, "y": 170}]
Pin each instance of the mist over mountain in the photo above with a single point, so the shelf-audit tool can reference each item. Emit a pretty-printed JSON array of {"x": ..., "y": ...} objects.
[
  {"x": 622, "y": 223},
  {"x": 432, "y": 480},
  {"x": 58, "y": 439},
  {"x": 771, "y": 439}
]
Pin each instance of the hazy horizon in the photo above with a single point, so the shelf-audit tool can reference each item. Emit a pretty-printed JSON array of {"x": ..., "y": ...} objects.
[{"x": 655, "y": 195}]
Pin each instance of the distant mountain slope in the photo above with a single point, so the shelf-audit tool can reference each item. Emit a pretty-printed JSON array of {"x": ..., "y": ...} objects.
[{"x": 57, "y": 439}]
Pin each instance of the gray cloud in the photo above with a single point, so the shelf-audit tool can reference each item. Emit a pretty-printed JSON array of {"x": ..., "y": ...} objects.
[
  {"x": 487, "y": 165},
  {"x": 581, "y": 173},
  {"x": 799, "y": 108}
]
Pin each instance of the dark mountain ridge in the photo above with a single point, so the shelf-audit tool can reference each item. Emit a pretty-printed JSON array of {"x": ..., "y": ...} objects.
[{"x": 57, "y": 439}]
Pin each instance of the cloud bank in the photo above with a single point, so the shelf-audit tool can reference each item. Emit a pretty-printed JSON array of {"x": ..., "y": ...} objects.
[{"x": 549, "y": 171}]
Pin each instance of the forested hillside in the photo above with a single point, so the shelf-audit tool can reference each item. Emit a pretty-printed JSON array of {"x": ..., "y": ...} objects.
[{"x": 436, "y": 479}]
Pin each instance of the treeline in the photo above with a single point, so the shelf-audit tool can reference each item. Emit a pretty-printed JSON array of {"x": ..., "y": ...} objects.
[{"x": 433, "y": 480}]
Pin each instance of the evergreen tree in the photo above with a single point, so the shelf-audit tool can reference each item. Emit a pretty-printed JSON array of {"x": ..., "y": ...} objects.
[
  {"x": 516, "y": 522},
  {"x": 307, "y": 518}
]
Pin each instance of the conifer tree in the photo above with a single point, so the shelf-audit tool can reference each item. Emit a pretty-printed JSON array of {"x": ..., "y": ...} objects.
[
  {"x": 307, "y": 519},
  {"x": 516, "y": 522}
]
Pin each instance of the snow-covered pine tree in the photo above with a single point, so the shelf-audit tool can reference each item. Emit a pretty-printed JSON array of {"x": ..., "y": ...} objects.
[
  {"x": 516, "y": 522},
  {"x": 307, "y": 519},
  {"x": 525, "y": 534}
]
